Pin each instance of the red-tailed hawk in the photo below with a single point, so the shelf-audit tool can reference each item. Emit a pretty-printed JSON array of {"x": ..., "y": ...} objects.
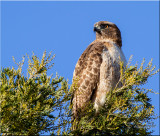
[{"x": 97, "y": 69}]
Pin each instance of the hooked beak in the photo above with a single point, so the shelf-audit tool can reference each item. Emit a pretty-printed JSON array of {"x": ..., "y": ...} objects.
[{"x": 97, "y": 29}]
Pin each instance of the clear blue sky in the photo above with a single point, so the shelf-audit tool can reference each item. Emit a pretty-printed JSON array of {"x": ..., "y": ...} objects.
[{"x": 66, "y": 28}]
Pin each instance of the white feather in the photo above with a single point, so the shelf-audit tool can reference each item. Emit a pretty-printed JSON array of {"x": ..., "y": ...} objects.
[{"x": 116, "y": 54}]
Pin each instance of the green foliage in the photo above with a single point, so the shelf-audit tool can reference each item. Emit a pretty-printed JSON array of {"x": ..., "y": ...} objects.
[
  {"x": 127, "y": 111},
  {"x": 28, "y": 103},
  {"x": 37, "y": 103}
]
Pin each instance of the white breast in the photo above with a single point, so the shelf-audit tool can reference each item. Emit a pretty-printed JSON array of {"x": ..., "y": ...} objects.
[
  {"x": 110, "y": 56},
  {"x": 117, "y": 54}
]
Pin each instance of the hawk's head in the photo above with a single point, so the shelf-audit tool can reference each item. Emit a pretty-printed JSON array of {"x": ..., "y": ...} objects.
[{"x": 108, "y": 30}]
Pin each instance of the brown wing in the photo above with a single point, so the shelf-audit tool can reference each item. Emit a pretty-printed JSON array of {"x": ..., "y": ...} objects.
[{"x": 87, "y": 73}]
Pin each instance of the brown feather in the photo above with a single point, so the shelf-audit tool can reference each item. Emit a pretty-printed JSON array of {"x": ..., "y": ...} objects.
[{"x": 87, "y": 71}]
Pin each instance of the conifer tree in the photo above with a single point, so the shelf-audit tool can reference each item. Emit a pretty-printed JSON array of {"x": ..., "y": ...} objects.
[
  {"x": 38, "y": 103},
  {"x": 28, "y": 104}
]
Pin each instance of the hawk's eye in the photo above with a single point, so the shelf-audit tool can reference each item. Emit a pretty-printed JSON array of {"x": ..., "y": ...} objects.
[
  {"x": 103, "y": 26},
  {"x": 107, "y": 26}
]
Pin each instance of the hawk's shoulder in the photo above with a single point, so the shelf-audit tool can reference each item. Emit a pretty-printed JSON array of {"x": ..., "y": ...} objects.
[{"x": 92, "y": 53}]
